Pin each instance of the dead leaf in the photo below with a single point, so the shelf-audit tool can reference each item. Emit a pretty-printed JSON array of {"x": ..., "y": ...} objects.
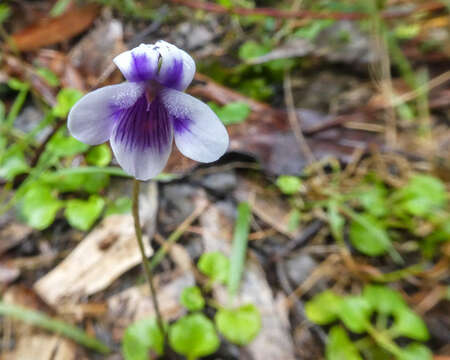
[{"x": 49, "y": 31}]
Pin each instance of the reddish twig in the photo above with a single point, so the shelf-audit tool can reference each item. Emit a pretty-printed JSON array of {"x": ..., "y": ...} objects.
[{"x": 300, "y": 14}]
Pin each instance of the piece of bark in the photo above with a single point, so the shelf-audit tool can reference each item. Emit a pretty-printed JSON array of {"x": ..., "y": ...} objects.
[
  {"x": 42, "y": 347},
  {"x": 274, "y": 340},
  {"x": 135, "y": 303},
  {"x": 105, "y": 254}
]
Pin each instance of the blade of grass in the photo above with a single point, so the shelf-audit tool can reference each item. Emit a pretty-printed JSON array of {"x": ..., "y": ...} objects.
[
  {"x": 57, "y": 326},
  {"x": 240, "y": 240}
]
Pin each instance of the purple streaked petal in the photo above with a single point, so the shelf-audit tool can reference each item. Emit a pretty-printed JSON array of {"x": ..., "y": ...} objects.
[
  {"x": 142, "y": 138},
  {"x": 198, "y": 132},
  {"x": 177, "y": 67},
  {"x": 139, "y": 64},
  {"x": 90, "y": 121}
]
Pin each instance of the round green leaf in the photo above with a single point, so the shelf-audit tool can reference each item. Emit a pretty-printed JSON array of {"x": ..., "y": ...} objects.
[
  {"x": 416, "y": 351},
  {"x": 194, "y": 336},
  {"x": 384, "y": 299},
  {"x": 215, "y": 265},
  {"x": 39, "y": 206},
  {"x": 355, "y": 313},
  {"x": 369, "y": 236},
  {"x": 421, "y": 195},
  {"x": 288, "y": 184},
  {"x": 121, "y": 205},
  {"x": 81, "y": 214},
  {"x": 340, "y": 347},
  {"x": 323, "y": 308},
  {"x": 142, "y": 338},
  {"x": 99, "y": 155},
  {"x": 66, "y": 98},
  {"x": 407, "y": 323},
  {"x": 12, "y": 163},
  {"x": 239, "y": 326},
  {"x": 233, "y": 113},
  {"x": 191, "y": 298}
]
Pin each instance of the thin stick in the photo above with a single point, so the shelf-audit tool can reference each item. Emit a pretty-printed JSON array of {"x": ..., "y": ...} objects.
[
  {"x": 294, "y": 120},
  {"x": 145, "y": 263}
]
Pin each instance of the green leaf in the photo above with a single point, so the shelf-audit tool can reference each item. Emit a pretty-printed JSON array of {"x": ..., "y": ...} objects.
[
  {"x": 313, "y": 29},
  {"x": 48, "y": 75},
  {"x": 340, "y": 347},
  {"x": 141, "y": 338},
  {"x": 99, "y": 155},
  {"x": 239, "y": 248},
  {"x": 194, "y": 336},
  {"x": 81, "y": 214},
  {"x": 336, "y": 221},
  {"x": 233, "y": 113},
  {"x": 13, "y": 163},
  {"x": 422, "y": 195},
  {"x": 5, "y": 12},
  {"x": 215, "y": 265},
  {"x": 61, "y": 145},
  {"x": 192, "y": 299},
  {"x": 59, "y": 8},
  {"x": 323, "y": 308},
  {"x": 373, "y": 199},
  {"x": 239, "y": 326},
  {"x": 294, "y": 220},
  {"x": 251, "y": 49},
  {"x": 89, "y": 182},
  {"x": 409, "y": 324},
  {"x": 59, "y": 327},
  {"x": 121, "y": 205},
  {"x": 416, "y": 351},
  {"x": 367, "y": 234},
  {"x": 66, "y": 98},
  {"x": 354, "y": 312},
  {"x": 288, "y": 184},
  {"x": 39, "y": 206},
  {"x": 384, "y": 299}
]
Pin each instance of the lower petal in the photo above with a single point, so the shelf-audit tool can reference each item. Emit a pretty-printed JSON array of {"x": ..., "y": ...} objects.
[
  {"x": 90, "y": 119},
  {"x": 199, "y": 133},
  {"x": 142, "y": 138}
]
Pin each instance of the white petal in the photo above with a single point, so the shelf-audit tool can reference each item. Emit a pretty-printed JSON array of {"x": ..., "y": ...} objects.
[
  {"x": 141, "y": 164},
  {"x": 139, "y": 64},
  {"x": 90, "y": 120},
  {"x": 199, "y": 133},
  {"x": 177, "y": 67}
]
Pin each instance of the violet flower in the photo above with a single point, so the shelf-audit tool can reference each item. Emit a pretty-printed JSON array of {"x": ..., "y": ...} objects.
[{"x": 140, "y": 117}]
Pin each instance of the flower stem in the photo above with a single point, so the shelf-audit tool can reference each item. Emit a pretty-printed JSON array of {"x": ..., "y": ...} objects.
[{"x": 145, "y": 263}]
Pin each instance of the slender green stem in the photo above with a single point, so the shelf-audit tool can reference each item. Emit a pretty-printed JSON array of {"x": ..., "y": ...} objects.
[{"x": 145, "y": 263}]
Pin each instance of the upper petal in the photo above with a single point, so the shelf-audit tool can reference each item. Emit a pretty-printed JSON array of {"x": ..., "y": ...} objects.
[
  {"x": 177, "y": 67},
  {"x": 139, "y": 64},
  {"x": 199, "y": 133},
  {"x": 90, "y": 119},
  {"x": 142, "y": 138}
]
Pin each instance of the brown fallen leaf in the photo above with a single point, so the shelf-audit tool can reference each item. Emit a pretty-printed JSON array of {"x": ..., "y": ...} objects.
[{"x": 49, "y": 31}]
